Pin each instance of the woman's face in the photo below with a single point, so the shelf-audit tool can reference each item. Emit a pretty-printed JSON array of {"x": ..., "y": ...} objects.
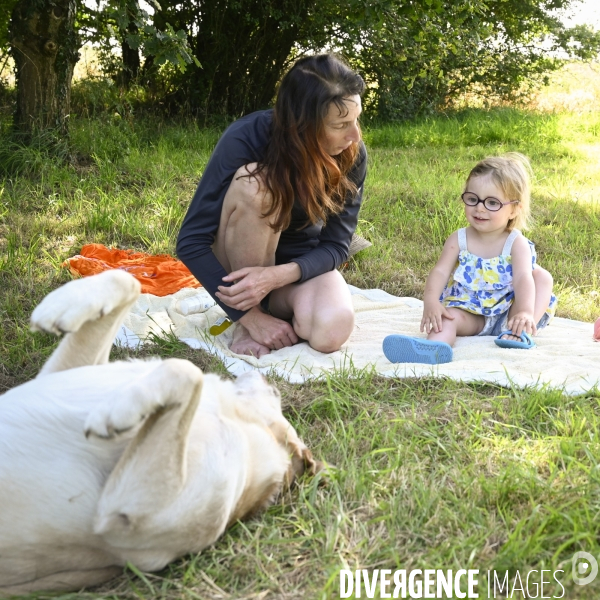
[{"x": 340, "y": 128}]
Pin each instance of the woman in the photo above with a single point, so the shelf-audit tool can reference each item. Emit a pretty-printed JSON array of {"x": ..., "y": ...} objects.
[{"x": 275, "y": 211}]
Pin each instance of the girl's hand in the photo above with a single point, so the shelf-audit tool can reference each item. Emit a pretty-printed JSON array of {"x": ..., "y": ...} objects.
[
  {"x": 432, "y": 317},
  {"x": 522, "y": 322},
  {"x": 251, "y": 285}
]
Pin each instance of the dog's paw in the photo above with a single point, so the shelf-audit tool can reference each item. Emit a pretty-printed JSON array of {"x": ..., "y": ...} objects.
[
  {"x": 67, "y": 308},
  {"x": 164, "y": 386},
  {"x": 129, "y": 407},
  {"x": 110, "y": 419}
]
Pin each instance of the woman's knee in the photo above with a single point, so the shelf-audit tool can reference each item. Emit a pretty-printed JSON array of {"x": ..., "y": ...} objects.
[{"x": 330, "y": 329}]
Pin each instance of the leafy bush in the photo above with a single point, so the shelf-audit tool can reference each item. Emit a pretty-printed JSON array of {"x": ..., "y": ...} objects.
[
  {"x": 418, "y": 57},
  {"x": 223, "y": 60},
  {"x": 94, "y": 96}
]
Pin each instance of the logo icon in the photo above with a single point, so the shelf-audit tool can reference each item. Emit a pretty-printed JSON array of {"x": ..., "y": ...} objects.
[{"x": 585, "y": 568}]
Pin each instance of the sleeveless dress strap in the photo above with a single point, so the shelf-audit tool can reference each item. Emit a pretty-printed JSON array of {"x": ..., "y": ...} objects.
[
  {"x": 462, "y": 239},
  {"x": 509, "y": 241}
]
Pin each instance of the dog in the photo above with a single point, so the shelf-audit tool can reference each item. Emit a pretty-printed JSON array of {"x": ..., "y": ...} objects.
[{"x": 139, "y": 461}]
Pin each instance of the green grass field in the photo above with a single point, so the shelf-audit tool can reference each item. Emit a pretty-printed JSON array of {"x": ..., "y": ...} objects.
[{"x": 428, "y": 473}]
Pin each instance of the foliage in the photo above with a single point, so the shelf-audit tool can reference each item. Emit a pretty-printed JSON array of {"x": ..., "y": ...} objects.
[
  {"x": 7, "y": 92},
  {"x": 113, "y": 19},
  {"x": 225, "y": 58},
  {"x": 6, "y": 8},
  {"x": 243, "y": 47},
  {"x": 418, "y": 56},
  {"x": 128, "y": 24},
  {"x": 44, "y": 37}
]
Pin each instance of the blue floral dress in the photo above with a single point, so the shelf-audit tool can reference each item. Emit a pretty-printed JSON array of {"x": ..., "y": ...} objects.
[{"x": 484, "y": 286}]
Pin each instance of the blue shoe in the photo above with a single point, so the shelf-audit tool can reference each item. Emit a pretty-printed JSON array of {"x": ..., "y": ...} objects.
[
  {"x": 526, "y": 344},
  {"x": 405, "y": 349}
]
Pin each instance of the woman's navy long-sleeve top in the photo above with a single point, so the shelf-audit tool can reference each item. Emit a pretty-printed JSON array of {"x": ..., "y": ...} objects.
[{"x": 316, "y": 249}]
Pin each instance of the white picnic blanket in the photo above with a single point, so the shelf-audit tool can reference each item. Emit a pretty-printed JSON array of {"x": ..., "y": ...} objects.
[{"x": 566, "y": 357}]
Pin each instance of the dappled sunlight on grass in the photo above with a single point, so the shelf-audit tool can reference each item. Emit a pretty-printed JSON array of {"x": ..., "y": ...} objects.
[{"x": 496, "y": 452}]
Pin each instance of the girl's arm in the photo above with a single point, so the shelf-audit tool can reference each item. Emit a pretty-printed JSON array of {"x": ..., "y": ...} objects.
[
  {"x": 521, "y": 313},
  {"x": 433, "y": 309}
]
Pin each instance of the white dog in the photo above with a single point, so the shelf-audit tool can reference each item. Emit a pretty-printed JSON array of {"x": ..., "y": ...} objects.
[{"x": 107, "y": 463}]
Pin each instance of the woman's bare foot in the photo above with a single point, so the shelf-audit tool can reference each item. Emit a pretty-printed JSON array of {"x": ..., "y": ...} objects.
[{"x": 244, "y": 344}]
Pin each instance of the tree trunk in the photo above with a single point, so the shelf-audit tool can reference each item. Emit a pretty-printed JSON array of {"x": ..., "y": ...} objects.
[
  {"x": 243, "y": 47},
  {"x": 131, "y": 59},
  {"x": 44, "y": 46},
  {"x": 241, "y": 77}
]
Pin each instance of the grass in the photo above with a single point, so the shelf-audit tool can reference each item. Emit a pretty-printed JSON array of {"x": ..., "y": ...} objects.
[{"x": 429, "y": 473}]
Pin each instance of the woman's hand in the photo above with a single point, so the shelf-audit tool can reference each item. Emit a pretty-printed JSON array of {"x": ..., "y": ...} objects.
[
  {"x": 268, "y": 330},
  {"x": 433, "y": 312},
  {"x": 251, "y": 285},
  {"x": 522, "y": 322}
]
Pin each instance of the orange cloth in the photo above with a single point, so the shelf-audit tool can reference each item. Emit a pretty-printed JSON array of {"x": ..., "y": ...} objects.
[{"x": 160, "y": 274}]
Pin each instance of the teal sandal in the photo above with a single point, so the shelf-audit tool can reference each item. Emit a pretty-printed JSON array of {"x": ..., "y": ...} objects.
[
  {"x": 405, "y": 349},
  {"x": 526, "y": 344}
]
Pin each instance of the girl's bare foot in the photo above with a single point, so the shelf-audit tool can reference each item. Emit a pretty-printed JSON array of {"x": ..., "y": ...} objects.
[
  {"x": 514, "y": 338},
  {"x": 244, "y": 344}
]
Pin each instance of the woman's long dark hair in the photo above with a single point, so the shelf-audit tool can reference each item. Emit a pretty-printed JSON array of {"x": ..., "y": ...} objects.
[{"x": 295, "y": 164}]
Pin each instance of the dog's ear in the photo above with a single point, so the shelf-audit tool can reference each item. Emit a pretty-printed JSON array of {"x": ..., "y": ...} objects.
[
  {"x": 301, "y": 458},
  {"x": 304, "y": 462}
]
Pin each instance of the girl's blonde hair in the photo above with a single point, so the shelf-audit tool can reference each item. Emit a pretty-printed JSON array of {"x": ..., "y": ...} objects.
[{"x": 511, "y": 172}]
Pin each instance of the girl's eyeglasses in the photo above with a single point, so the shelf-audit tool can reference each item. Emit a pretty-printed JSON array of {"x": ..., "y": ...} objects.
[{"x": 493, "y": 204}]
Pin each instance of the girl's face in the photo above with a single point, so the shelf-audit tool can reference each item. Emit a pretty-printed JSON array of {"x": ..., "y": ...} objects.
[
  {"x": 340, "y": 128},
  {"x": 482, "y": 219}
]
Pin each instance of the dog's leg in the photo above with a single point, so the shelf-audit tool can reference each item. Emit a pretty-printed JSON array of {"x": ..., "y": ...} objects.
[
  {"x": 152, "y": 471},
  {"x": 89, "y": 311},
  {"x": 59, "y": 582}
]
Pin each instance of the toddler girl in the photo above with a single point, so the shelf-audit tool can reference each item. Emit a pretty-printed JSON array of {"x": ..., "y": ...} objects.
[{"x": 486, "y": 281}]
